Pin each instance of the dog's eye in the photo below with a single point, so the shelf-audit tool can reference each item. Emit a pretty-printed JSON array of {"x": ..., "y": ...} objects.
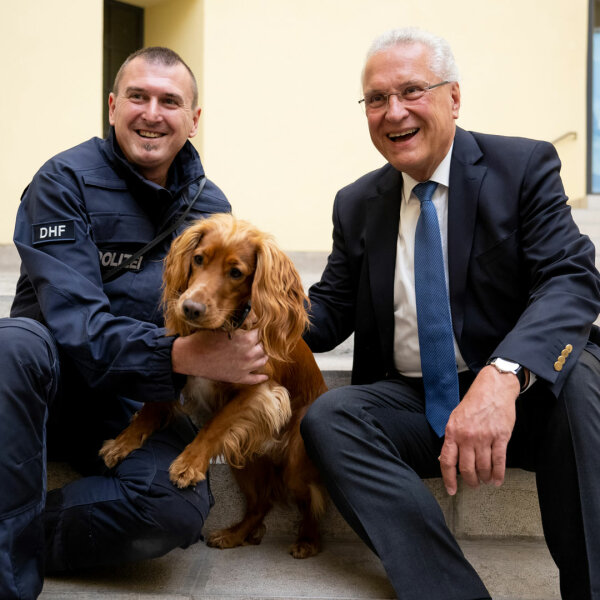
[
  {"x": 235, "y": 273},
  {"x": 198, "y": 259}
]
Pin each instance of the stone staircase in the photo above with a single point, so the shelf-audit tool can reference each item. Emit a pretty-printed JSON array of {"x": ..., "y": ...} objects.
[{"x": 499, "y": 529}]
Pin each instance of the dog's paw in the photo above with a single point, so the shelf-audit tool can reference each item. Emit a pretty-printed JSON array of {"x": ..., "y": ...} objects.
[
  {"x": 223, "y": 538},
  {"x": 183, "y": 474},
  {"x": 254, "y": 538},
  {"x": 232, "y": 537},
  {"x": 304, "y": 549},
  {"x": 112, "y": 453}
]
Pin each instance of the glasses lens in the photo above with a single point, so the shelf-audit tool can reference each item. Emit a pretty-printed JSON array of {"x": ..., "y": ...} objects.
[
  {"x": 375, "y": 101},
  {"x": 409, "y": 93},
  {"x": 414, "y": 91}
]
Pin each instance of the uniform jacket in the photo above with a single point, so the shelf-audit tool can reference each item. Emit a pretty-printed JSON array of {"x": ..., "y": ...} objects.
[
  {"x": 523, "y": 285},
  {"x": 85, "y": 211}
]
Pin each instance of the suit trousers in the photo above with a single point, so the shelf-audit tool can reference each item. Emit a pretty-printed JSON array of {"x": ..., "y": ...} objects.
[
  {"x": 373, "y": 444},
  {"x": 130, "y": 513}
]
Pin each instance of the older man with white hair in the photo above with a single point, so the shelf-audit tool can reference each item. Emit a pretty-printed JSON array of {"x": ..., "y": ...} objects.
[{"x": 472, "y": 296}]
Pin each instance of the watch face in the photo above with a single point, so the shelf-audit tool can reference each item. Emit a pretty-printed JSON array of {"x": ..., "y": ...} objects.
[{"x": 506, "y": 366}]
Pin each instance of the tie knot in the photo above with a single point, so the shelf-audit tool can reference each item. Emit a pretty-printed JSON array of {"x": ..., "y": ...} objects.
[{"x": 424, "y": 191}]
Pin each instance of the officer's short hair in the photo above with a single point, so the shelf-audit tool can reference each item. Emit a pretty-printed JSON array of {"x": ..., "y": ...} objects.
[{"x": 160, "y": 55}]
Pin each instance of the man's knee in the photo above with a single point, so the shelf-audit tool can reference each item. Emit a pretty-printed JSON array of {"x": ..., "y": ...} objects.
[
  {"x": 29, "y": 352},
  {"x": 322, "y": 412},
  {"x": 580, "y": 399},
  {"x": 98, "y": 521},
  {"x": 328, "y": 421},
  {"x": 28, "y": 377},
  {"x": 584, "y": 378},
  {"x": 179, "y": 513}
]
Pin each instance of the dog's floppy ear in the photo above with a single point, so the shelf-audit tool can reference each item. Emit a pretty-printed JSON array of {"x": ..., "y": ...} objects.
[
  {"x": 278, "y": 300},
  {"x": 177, "y": 271}
]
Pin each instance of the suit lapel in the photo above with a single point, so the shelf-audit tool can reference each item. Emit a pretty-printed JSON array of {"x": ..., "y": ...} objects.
[
  {"x": 463, "y": 196},
  {"x": 383, "y": 217}
]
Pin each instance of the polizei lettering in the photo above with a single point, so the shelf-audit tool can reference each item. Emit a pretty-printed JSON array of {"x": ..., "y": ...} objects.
[
  {"x": 57, "y": 231},
  {"x": 113, "y": 258}
]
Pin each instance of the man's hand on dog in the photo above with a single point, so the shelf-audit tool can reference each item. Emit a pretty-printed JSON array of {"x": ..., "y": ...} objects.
[{"x": 217, "y": 355}]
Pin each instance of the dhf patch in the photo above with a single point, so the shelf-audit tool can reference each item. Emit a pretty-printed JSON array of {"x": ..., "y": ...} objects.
[{"x": 57, "y": 231}]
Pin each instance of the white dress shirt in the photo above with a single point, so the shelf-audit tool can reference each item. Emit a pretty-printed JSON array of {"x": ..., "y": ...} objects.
[{"x": 407, "y": 358}]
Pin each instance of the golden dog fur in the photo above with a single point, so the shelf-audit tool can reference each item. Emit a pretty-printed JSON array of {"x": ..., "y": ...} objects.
[{"x": 212, "y": 271}]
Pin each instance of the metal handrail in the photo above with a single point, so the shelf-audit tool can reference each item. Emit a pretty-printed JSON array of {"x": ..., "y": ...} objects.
[{"x": 564, "y": 136}]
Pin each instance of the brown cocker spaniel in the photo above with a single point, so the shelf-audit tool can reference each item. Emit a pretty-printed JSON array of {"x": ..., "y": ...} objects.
[{"x": 215, "y": 271}]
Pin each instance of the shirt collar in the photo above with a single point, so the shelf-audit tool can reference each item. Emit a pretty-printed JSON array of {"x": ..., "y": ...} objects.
[{"x": 441, "y": 176}]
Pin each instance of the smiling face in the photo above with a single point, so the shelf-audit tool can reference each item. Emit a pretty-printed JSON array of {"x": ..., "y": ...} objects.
[
  {"x": 153, "y": 115},
  {"x": 415, "y": 136}
]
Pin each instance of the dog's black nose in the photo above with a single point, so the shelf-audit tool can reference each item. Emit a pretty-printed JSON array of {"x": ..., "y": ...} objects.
[{"x": 193, "y": 310}]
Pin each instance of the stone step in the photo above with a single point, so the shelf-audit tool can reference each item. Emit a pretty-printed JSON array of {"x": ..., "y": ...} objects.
[
  {"x": 510, "y": 511},
  {"x": 593, "y": 201},
  {"x": 499, "y": 530},
  {"x": 510, "y": 569},
  {"x": 9, "y": 273},
  {"x": 589, "y": 214}
]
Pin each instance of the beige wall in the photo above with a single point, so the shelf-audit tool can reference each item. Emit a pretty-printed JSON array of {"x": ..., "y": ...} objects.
[
  {"x": 281, "y": 130},
  {"x": 51, "y": 88}
]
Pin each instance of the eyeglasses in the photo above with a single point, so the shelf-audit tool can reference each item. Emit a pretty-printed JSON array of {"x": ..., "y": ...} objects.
[{"x": 409, "y": 93}]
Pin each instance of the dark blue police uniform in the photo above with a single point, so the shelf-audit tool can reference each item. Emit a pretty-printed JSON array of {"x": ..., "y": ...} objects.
[{"x": 80, "y": 355}]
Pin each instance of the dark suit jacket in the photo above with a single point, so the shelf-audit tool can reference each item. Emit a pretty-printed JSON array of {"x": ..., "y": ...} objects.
[{"x": 523, "y": 284}]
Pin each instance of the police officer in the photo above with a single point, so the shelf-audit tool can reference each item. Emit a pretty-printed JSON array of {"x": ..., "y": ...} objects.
[{"x": 85, "y": 343}]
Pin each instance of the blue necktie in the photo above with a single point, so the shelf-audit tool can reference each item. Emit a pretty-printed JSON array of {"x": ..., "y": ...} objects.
[{"x": 438, "y": 361}]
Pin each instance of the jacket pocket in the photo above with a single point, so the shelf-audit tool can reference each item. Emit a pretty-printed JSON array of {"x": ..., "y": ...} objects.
[
  {"x": 506, "y": 248},
  {"x": 121, "y": 228}
]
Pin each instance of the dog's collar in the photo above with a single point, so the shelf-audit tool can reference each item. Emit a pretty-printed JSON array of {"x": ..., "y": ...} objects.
[{"x": 238, "y": 321}]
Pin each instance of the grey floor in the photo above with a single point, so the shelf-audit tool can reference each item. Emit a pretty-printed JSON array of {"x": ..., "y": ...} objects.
[{"x": 515, "y": 570}]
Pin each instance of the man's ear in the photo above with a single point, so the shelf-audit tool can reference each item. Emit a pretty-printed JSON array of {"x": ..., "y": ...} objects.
[
  {"x": 111, "y": 108},
  {"x": 195, "y": 118},
  {"x": 455, "y": 94}
]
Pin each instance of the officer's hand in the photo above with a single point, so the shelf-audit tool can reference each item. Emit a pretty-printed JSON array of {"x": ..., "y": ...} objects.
[
  {"x": 479, "y": 429},
  {"x": 212, "y": 354}
]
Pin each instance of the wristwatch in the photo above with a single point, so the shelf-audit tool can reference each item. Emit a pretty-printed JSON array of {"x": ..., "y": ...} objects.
[{"x": 507, "y": 366}]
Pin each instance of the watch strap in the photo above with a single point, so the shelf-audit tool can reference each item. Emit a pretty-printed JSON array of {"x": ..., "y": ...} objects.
[{"x": 510, "y": 367}]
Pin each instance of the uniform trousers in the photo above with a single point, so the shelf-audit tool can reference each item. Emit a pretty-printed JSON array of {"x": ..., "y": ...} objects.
[
  {"x": 127, "y": 514},
  {"x": 373, "y": 444}
]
